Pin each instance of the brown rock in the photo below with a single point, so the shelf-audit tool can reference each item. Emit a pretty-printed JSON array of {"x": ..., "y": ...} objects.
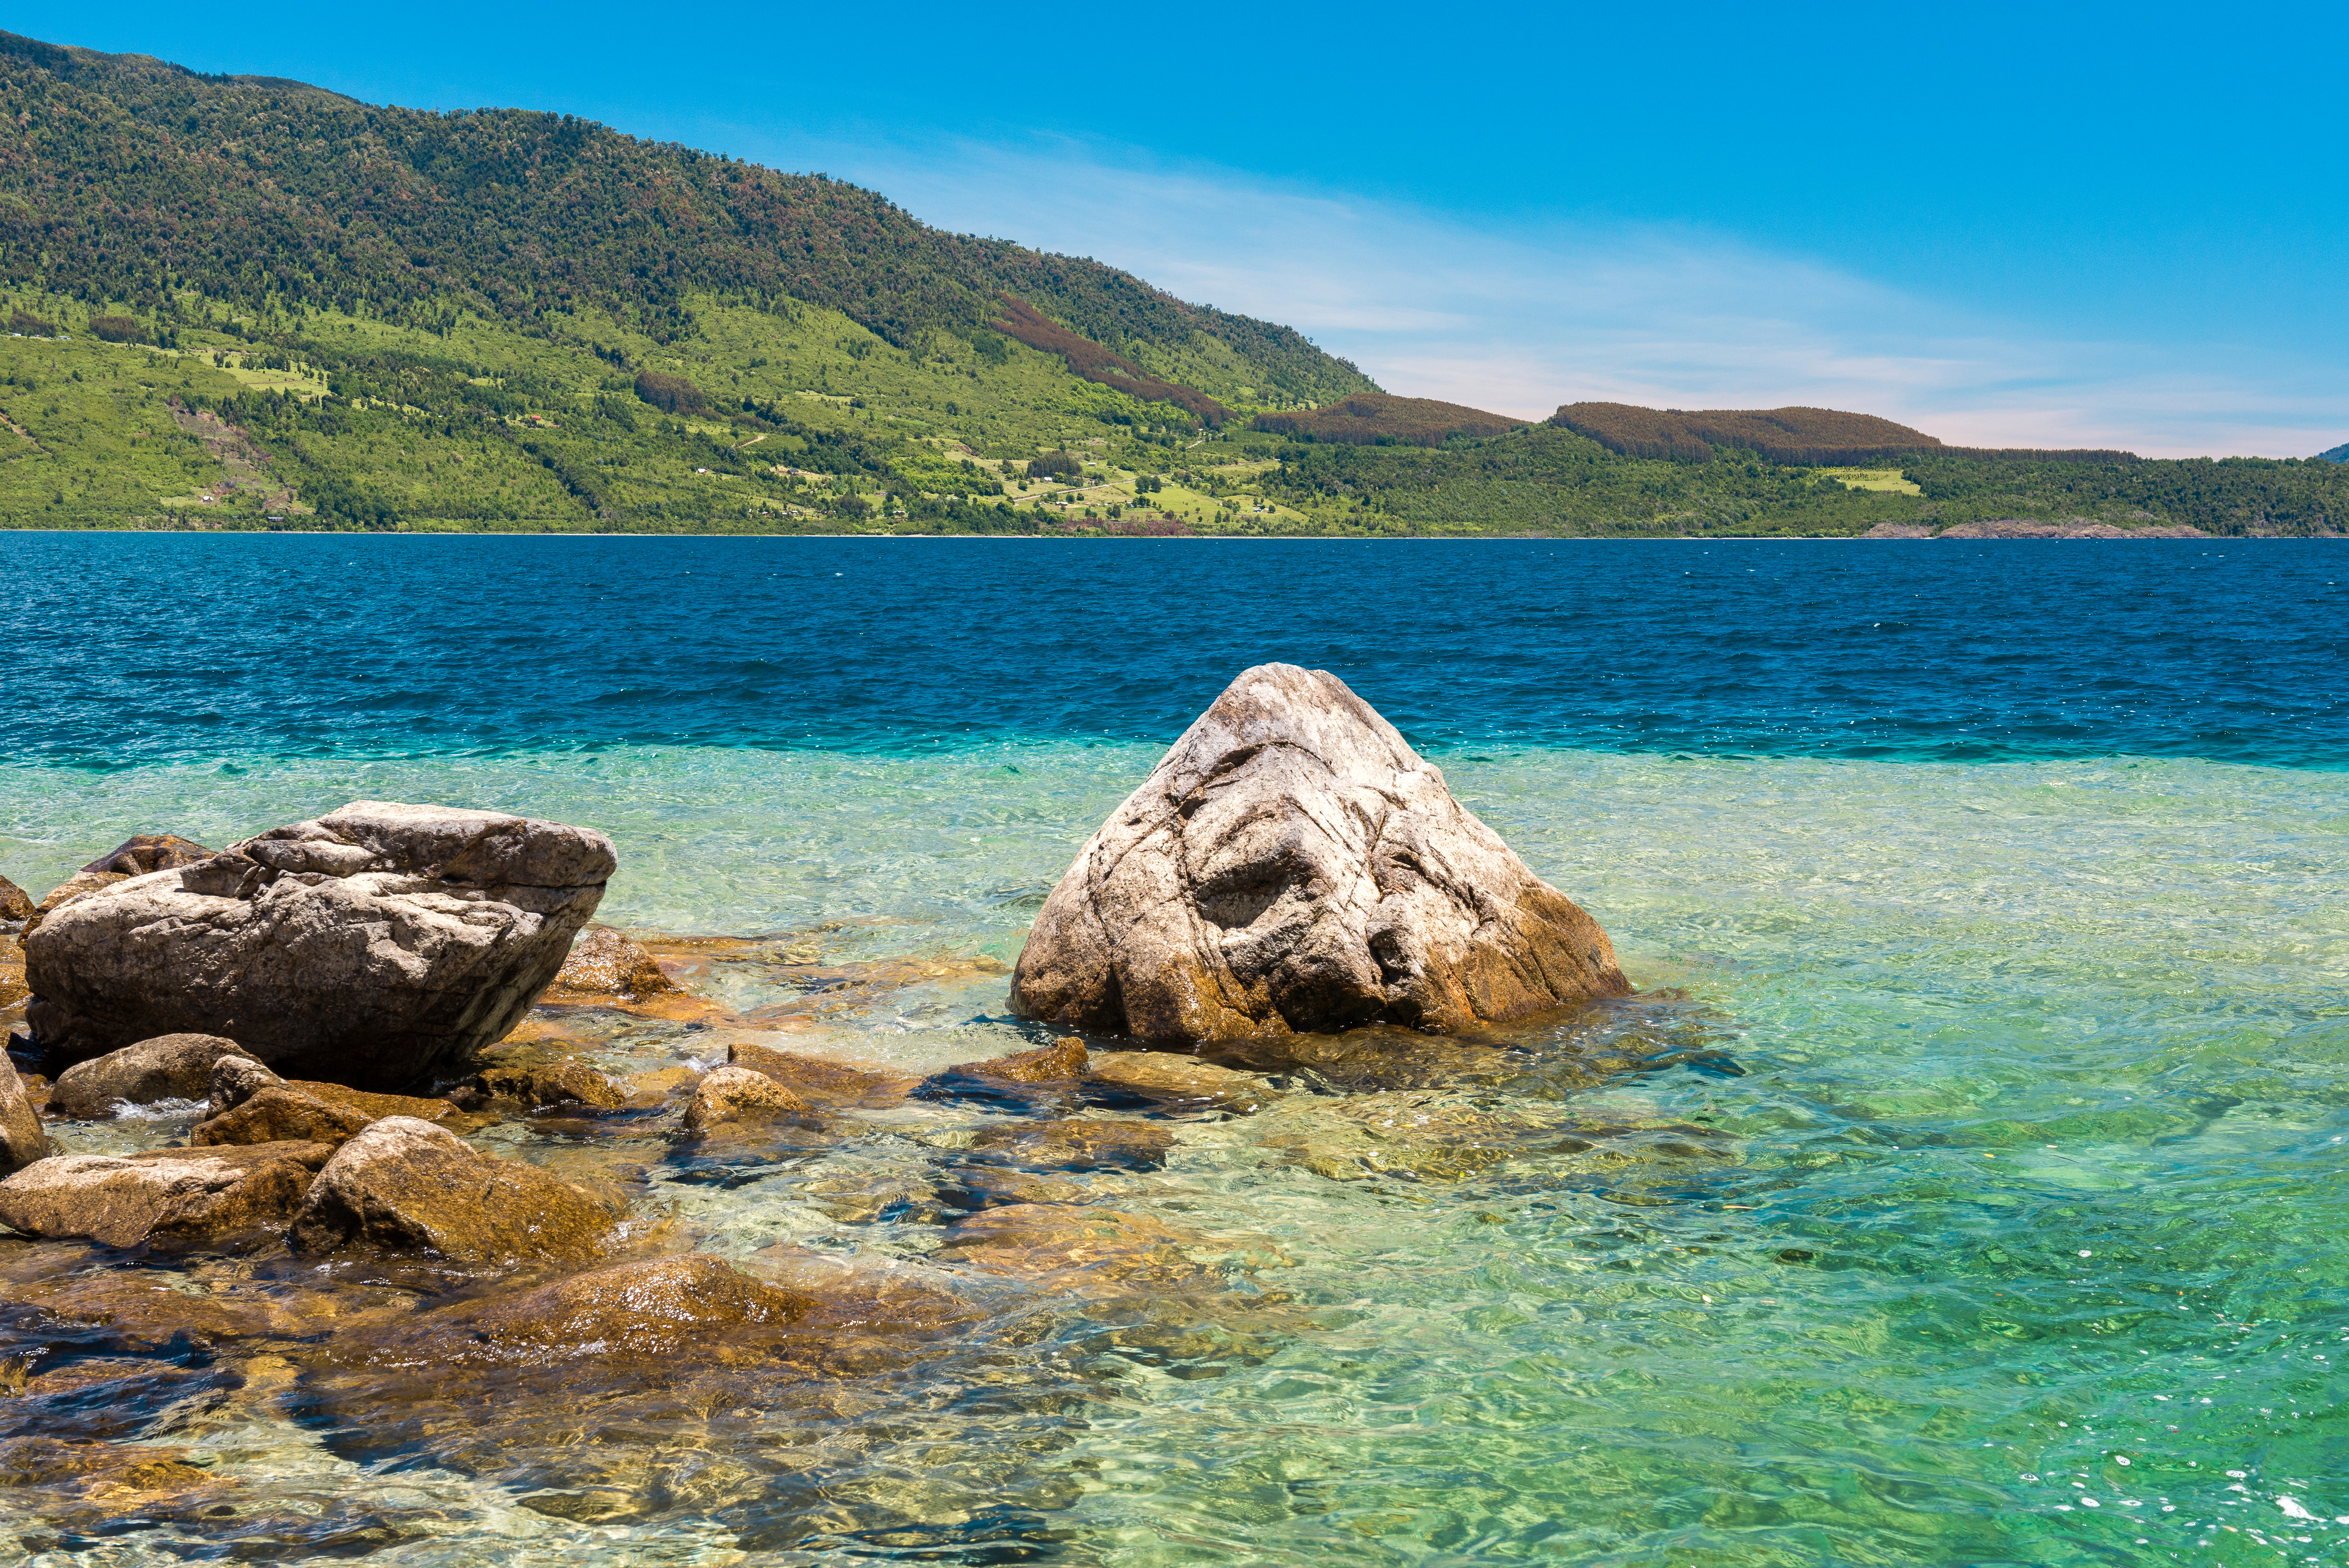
[
  {"x": 603, "y": 961},
  {"x": 365, "y": 947},
  {"x": 422, "y": 1107},
  {"x": 161, "y": 1197},
  {"x": 170, "y": 1067},
  {"x": 548, "y": 1084},
  {"x": 278, "y": 1113},
  {"x": 1083, "y": 1143},
  {"x": 738, "y": 1094},
  {"x": 405, "y": 1186},
  {"x": 16, "y": 903},
  {"x": 814, "y": 1078},
  {"x": 22, "y": 1142},
  {"x": 1292, "y": 865},
  {"x": 1177, "y": 1082}
]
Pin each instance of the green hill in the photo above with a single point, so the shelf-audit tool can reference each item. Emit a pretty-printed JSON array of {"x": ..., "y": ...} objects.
[{"x": 245, "y": 303}]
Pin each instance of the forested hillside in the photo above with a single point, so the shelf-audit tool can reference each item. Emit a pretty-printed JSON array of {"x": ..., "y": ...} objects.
[
  {"x": 245, "y": 303},
  {"x": 128, "y": 180}
]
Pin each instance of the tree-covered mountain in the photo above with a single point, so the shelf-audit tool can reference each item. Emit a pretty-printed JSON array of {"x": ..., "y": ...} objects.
[
  {"x": 237, "y": 302},
  {"x": 129, "y": 179}
]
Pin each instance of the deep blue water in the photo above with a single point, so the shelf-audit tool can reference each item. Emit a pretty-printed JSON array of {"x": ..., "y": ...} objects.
[{"x": 147, "y": 647}]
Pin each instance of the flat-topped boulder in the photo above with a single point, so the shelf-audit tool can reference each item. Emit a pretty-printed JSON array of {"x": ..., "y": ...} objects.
[
  {"x": 161, "y": 1197},
  {"x": 1293, "y": 865},
  {"x": 367, "y": 947}
]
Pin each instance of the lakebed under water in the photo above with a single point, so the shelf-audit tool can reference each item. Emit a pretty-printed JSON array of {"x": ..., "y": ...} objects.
[{"x": 1967, "y": 1183}]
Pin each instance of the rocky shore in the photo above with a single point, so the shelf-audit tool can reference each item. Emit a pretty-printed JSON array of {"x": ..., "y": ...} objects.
[{"x": 358, "y": 1133}]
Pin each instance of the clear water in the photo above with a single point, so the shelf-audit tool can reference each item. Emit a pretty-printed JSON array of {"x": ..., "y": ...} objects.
[{"x": 1981, "y": 1197}]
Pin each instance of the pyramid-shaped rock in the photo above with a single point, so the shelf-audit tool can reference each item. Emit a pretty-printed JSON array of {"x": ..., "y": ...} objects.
[{"x": 1293, "y": 865}]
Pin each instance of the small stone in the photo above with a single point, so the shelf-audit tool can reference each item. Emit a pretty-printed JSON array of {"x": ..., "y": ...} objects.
[
  {"x": 16, "y": 903},
  {"x": 405, "y": 1186},
  {"x": 235, "y": 1080},
  {"x": 738, "y": 1094},
  {"x": 603, "y": 961},
  {"x": 161, "y": 1197},
  {"x": 169, "y": 1066}
]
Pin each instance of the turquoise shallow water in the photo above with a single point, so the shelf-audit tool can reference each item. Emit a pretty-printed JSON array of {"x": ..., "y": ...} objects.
[
  {"x": 2035, "y": 1162},
  {"x": 1981, "y": 1199}
]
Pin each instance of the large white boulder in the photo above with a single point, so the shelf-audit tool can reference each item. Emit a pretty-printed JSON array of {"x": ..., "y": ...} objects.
[{"x": 1292, "y": 865}]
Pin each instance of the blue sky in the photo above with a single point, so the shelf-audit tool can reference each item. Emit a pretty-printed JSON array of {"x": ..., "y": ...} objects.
[{"x": 2046, "y": 225}]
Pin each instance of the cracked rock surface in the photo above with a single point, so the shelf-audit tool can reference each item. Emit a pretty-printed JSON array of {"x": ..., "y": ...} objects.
[
  {"x": 1292, "y": 865},
  {"x": 432, "y": 929}
]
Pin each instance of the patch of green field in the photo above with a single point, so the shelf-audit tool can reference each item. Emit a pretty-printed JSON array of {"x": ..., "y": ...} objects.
[{"x": 1888, "y": 482}]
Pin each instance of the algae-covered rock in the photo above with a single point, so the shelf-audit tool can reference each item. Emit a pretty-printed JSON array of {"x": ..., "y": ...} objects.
[
  {"x": 365, "y": 947},
  {"x": 170, "y": 1067},
  {"x": 405, "y": 1186},
  {"x": 1292, "y": 865},
  {"x": 738, "y": 1095},
  {"x": 537, "y": 1085},
  {"x": 161, "y": 1197}
]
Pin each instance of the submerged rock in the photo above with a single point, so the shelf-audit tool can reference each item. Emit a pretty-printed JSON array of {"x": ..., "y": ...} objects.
[
  {"x": 1045, "y": 1064},
  {"x": 170, "y": 1067},
  {"x": 1081, "y": 1143},
  {"x": 365, "y": 947},
  {"x": 537, "y": 1085},
  {"x": 813, "y": 1078},
  {"x": 633, "y": 1311},
  {"x": 22, "y": 1142},
  {"x": 406, "y": 1186},
  {"x": 1173, "y": 1082},
  {"x": 1292, "y": 865},
  {"x": 162, "y": 1197},
  {"x": 738, "y": 1094}
]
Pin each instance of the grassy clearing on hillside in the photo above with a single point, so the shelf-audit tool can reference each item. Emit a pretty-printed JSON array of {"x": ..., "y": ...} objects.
[{"x": 1891, "y": 481}]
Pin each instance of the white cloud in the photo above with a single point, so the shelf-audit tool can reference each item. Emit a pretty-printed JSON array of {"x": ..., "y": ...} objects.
[{"x": 1520, "y": 320}]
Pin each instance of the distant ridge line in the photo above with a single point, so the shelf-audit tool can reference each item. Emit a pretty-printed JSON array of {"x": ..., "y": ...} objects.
[{"x": 1797, "y": 436}]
